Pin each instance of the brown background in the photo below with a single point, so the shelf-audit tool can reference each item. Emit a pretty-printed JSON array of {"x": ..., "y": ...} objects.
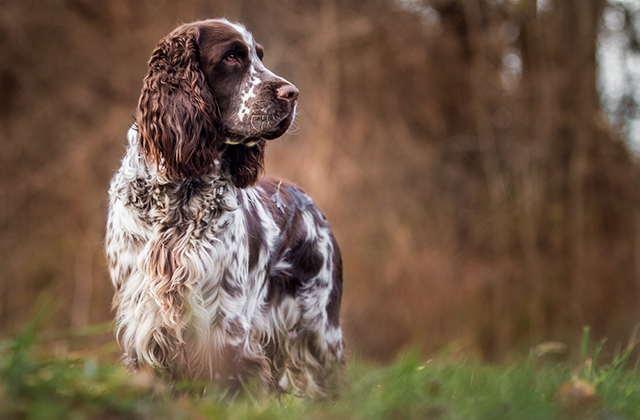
[{"x": 480, "y": 203}]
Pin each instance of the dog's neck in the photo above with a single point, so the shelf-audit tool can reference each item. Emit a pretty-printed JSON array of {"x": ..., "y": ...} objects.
[{"x": 195, "y": 201}]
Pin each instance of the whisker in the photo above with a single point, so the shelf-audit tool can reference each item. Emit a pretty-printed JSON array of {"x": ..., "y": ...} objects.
[
  {"x": 294, "y": 128},
  {"x": 253, "y": 126}
]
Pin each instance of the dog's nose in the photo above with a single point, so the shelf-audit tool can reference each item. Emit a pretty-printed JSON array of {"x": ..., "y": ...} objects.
[{"x": 288, "y": 93}]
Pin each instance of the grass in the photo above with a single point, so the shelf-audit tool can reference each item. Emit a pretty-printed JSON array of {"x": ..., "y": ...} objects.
[{"x": 36, "y": 385}]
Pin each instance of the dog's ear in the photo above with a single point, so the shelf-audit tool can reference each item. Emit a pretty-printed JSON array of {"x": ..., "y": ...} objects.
[
  {"x": 177, "y": 115},
  {"x": 246, "y": 163}
]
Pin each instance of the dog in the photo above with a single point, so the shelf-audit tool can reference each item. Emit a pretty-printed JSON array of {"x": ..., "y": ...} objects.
[{"x": 220, "y": 275}]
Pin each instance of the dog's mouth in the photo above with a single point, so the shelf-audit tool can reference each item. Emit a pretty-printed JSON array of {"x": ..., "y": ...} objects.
[
  {"x": 260, "y": 126},
  {"x": 281, "y": 127}
]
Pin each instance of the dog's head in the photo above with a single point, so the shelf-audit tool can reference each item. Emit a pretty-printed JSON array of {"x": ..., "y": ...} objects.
[{"x": 208, "y": 97}]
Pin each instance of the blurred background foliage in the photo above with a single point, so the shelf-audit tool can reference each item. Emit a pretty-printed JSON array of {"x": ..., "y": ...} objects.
[{"x": 480, "y": 191}]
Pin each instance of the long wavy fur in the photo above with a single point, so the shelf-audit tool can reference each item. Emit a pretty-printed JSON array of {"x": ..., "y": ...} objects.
[{"x": 177, "y": 114}]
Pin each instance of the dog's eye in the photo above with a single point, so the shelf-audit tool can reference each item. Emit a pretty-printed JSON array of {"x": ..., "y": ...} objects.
[{"x": 231, "y": 58}]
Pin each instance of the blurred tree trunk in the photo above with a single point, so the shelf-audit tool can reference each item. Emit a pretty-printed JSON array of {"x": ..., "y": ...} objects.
[
  {"x": 559, "y": 92},
  {"x": 571, "y": 71},
  {"x": 538, "y": 171}
]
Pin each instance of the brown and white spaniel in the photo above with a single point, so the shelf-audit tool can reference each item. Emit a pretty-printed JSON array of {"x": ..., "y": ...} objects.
[{"x": 218, "y": 275}]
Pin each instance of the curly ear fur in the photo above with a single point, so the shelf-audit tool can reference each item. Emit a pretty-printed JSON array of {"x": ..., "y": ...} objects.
[
  {"x": 246, "y": 163},
  {"x": 177, "y": 115}
]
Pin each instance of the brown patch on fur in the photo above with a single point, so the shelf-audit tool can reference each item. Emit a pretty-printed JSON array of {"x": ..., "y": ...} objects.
[{"x": 246, "y": 164}]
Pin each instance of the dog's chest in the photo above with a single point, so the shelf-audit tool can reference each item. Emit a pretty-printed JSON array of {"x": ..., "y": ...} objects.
[{"x": 199, "y": 222}]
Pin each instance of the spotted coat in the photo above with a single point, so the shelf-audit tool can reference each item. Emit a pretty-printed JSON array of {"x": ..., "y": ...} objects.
[{"x": 218, "y": 277}]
